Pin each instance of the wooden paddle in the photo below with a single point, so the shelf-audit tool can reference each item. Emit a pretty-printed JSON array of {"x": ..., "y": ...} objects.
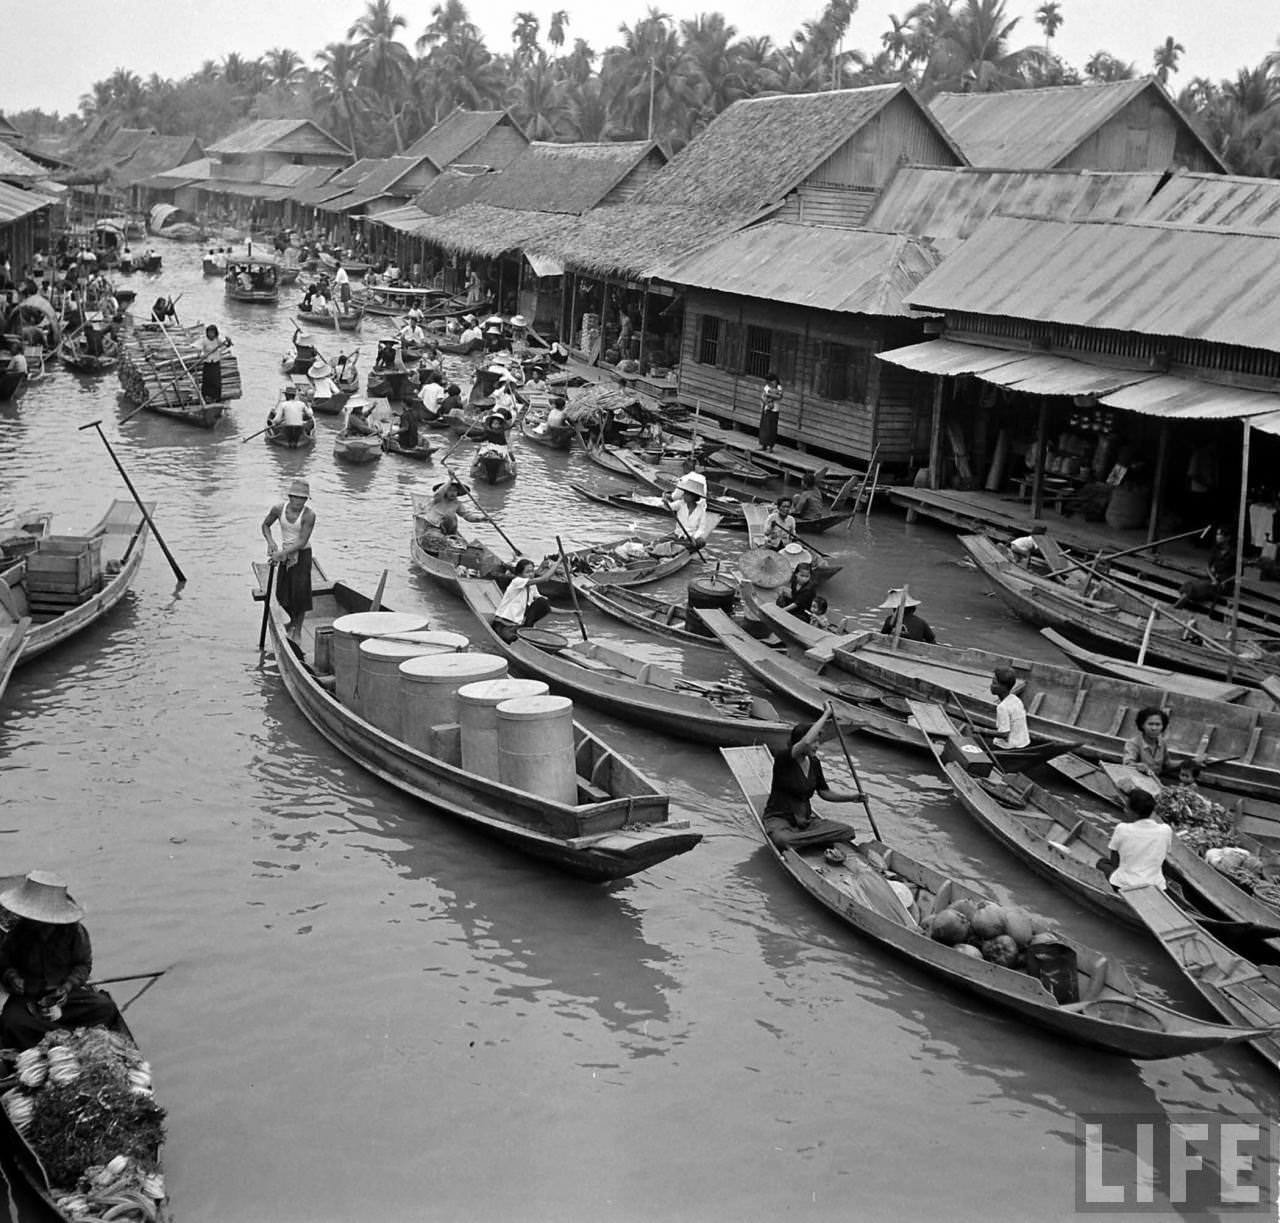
[
  {"x": 266, "y": 605},
  {"x": 487, "y": 517},
  {"x": 376, "y": 605},
  {"x": 573, "y": 590},
  {"x": 857, "y": 781}
]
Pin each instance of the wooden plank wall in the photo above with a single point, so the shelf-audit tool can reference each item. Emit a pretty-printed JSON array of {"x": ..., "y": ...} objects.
[
  {"x": 886, "y": 414},
  {"x": 638, "y": 177},
  {"x": 1145, "y": 135}
]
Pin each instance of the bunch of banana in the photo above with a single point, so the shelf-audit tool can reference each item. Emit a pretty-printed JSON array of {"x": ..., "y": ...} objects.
[
  {"x": 73, "y": 1205},
  {"x": 64, "y": 1067},
  {"x": 20, "y": 1108},
  {"x": 33, "y": 1068}
]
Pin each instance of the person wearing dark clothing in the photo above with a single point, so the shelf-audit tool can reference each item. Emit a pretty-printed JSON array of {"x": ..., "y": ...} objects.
[
  {"x": 45, "y": 962},
  {"x": 293, "y": 557},
  {"x": 1221, "y": 571},
  {"x": 211, "y": 349},
  {"x": 452, "y": 401},
  {"x": 914, "y": 628},
  {"x": 798, "y": 598},
  {"x": 789, "y": 821}
]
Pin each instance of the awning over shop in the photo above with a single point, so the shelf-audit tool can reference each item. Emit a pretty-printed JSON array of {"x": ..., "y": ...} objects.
[
  {"x": 405, "y": 219},
  {"x": 1267, "y": 424},
  {"x": 544, "y": 265},
  {"x": 948, "y": 357},
  {"x": 1188, "y": 398},
  {"x": 1035, "y": 373}
]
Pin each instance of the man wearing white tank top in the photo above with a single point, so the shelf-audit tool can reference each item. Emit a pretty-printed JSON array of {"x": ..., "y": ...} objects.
[{"x": 292, "y": 558}]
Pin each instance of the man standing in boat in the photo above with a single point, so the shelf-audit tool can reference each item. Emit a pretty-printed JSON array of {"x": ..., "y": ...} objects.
[
  {"x": 342, "y": 288},
  {"x": 211, "y": 349},
  {"x": 292, "y": 558}
]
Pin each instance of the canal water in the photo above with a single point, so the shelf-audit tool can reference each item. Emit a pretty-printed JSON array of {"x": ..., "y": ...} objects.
[{"x": 370, "y": 1012}]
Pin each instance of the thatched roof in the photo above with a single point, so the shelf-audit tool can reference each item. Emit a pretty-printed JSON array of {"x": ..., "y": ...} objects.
[
  {"x": 17, "y": 166},
  {"x": 639, "y": 240},
  {"x": 851, "y": 271},
  {"x": 454, "y": 187},
  {"x": 569, "y": 178},
  {"x": 1036, "y": 129},
  {"x": 457, "y": 132},
  {"x": 378, "y": 180},
  {"x": 759, "y": 149},
  {"x": 292, "y": 136},
  {"x": 8, "y": 132},
  {"x": 156, "y": 155},
  {"x": 16, "y": 203}
]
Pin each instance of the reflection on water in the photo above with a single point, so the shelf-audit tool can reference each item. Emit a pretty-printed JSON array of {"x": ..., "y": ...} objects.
[{"x": 369, "y": 1008}]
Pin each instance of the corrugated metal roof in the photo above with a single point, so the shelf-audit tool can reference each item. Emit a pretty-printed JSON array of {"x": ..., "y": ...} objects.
[
  {"x": 8, "y": 131},
  {"x": 16, "y": 203},
  {"x": 1267, "y": 424},
  {"x": 948, "y": 357},
  {"x": 570, "y": 178},
  {"x": 279, "y": 136},
  {"x": 380, "y": 181},
  {"x": 848, "y": 271},
  {"x": 1045, "y": 374},
  {"x": 952, "y": 201},
  {"x": 759, "y": 149},
  {"x": 406, "y": 219},
  {"x": 1217, "y": 199},
  {"x": 1030, "y": 129},
  {"x": 155, "y": 155},
  {"x": 1201, "y": 284},
  {"x": 1169, "y": 396},
  {"x": 287, "y": 182}
]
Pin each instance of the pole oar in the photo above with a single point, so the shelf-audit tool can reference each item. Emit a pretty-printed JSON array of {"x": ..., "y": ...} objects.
[
  {"x": 811, "y": 547},
  {"x": 898, "y": 617},
  {"x": 251, "y": 436},
  {"x": 693, "y": 543},
  {"x": 376, "y": 605},
  {"x": 137, "y": 976},
  {"x": 573, "y": 590},
  {"x": 487, "y": 517},
  {"x": 124, "y": 475},
  {"x": 176, "y": 353},
  {"x": 857, "y": 781},
  {"x": 266, "y": 605}
]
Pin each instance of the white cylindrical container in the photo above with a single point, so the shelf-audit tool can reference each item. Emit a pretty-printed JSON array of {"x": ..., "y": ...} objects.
[
  {"x": 350, "y": 631},
  {"x": 377, "y": 697},
  {"x": 429, "y": 691},
  {"x": 536, "y": 749},
  {"x": 477, "y": 715}
]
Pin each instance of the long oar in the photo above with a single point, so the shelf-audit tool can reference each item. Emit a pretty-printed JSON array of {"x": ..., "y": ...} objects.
[
  {"x": 124, "y": 475},
  {"x": 251, "y": 436},
  {"x": 137, "y": 976},
  {"x": 573, "y": 590},
  {"x": 266, "y": 605},
  {"x": 857, "y": 781},
  {"x": 804, "y": 543},
  {"x": 487, "y": 517},
  {"x": 185, "y": 370},
  {"x": 693, "y": 543}
]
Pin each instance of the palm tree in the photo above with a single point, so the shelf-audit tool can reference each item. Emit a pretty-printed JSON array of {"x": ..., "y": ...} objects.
[
  {"x": 449, "y": 21},
  {"x": 524, "y": 34},
  {"x": 385, "y": 62},
  {"x": 1104, "y": 67},
  {"x": 650, "y": 81},
  {"x": 555, "y": 31},
  {"x": 537, "y": 99},
  {"x": 579, "y": 63},
  {"x": 587, "y": 107},
  {"x": 1049, "y": 18},
  {"x": 897, "y": 40},
  {"x": 712, "y": 64},
  {"x": 757, "y": 60},
  {"x": 1166, "y": 59},
  {"x": 283, "y": 65},
  {"x": 974, "y": 50},
  {"x": 340, "y": 90}
]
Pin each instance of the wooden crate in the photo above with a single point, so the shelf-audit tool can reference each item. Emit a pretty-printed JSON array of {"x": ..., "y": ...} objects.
[{"x": 65, "y": 565}]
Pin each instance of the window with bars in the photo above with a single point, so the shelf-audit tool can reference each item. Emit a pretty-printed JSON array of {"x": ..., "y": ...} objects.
[
  {"x": 759, "y": 352},
  {"x": 709, "y": 340}
]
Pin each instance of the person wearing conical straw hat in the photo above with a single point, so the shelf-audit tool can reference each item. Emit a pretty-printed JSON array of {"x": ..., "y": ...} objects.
[
  {"x": 688, "y": 502},
  {"x": 293, "y": 557},
  {"x": 45, "y": 963},
  {"x": 901, "y": 603}
]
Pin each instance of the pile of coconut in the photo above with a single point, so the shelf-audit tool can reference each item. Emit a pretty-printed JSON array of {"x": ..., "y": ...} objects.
[{"x": 999, "y": 934}]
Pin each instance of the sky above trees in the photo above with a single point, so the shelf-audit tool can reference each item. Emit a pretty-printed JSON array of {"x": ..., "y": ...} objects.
[{"x": 173, "y": 37}]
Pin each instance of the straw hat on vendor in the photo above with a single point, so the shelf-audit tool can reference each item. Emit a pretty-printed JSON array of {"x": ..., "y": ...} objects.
[
  {"x": 42, "y": 896},
  {"x": 902, "y": 620}
]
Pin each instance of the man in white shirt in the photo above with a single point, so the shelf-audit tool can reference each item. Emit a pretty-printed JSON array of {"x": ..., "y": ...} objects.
[
  {"x": 292, "y": 414},
  {"x": 1139, "y": 847},
  {"x": 1011, "y": 715},
  {"x": 342, "y": 288},
  {"x": 431, "y": 394},
  {"x": 688, "y": 502}
]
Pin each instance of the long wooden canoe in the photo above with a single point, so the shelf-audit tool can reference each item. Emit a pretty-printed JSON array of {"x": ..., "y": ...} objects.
[
  {"x": 357, "y": 447},
  {"x": 551, "y": 581},
  {"x": 1117, "y": 620},
  {"x": 621, "y": 825},
  {"x": 607, "y": 678},
  {"x": 1112, "y": 1015},
  {"x": 644, "y": 611},
  {"x": 13, "y": 632},
  {"x": 1241, "y": 745},
  {"x": 1158, "y": 677},
  {"x": 123, "y": 534},
  {"x": 276, "y": 436},
  {"x": 1237, "y": 989}
]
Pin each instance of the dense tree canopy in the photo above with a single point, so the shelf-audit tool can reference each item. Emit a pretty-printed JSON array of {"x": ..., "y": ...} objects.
[{"x": 388, "y": 83}]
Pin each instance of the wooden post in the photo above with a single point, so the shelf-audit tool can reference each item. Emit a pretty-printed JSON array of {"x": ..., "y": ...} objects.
[
  {"x": 935, "y": 435},
  {"x": 1242, "y": 518},
  {"x": 604, "y": 314},
  {"x": 644, "y": 324},
  {"x": 1037, "y": 476},
  {"x": 573, "y": 310},
  {"x": 1157, "y": 484}
]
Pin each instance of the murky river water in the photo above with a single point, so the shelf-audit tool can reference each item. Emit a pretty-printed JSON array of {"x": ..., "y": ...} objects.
[{"x": 371, "y": 1013}]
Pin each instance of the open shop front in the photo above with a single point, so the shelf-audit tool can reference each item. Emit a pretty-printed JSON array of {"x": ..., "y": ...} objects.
[{"x": 626, "y": 326}]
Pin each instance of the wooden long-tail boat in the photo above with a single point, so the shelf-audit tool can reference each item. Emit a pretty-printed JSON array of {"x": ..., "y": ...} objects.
[
  {"x": 1111, "y": 1016},
  {"x": 1060, "y": 843},
  {"x": 653, "y": 503},
  {"x": 59, "y": 608},
  {"x": 1118, "y": 620},
  {"x": 388, "y": 301},
  {"x": 324, "y": 320},
  {"x": 1158, "y": 677},
  {"x": 13, "y": 632},
  {"x": 1240, "y": 745},
  {"x": 263, "y": 271},
  {"x": 1240, "y": 991},
  {"x": 620, "y": 825},
  {"x": 599, "y": 562},
  {"x": 276, "y": 436},
  {"x": 422, "y": 452},
  {"x": 644, "y": 611},
  {"x": 606, "y": 677},
  {"x": 357, "y": 447},
  {"x": 557, "y": 437}
]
